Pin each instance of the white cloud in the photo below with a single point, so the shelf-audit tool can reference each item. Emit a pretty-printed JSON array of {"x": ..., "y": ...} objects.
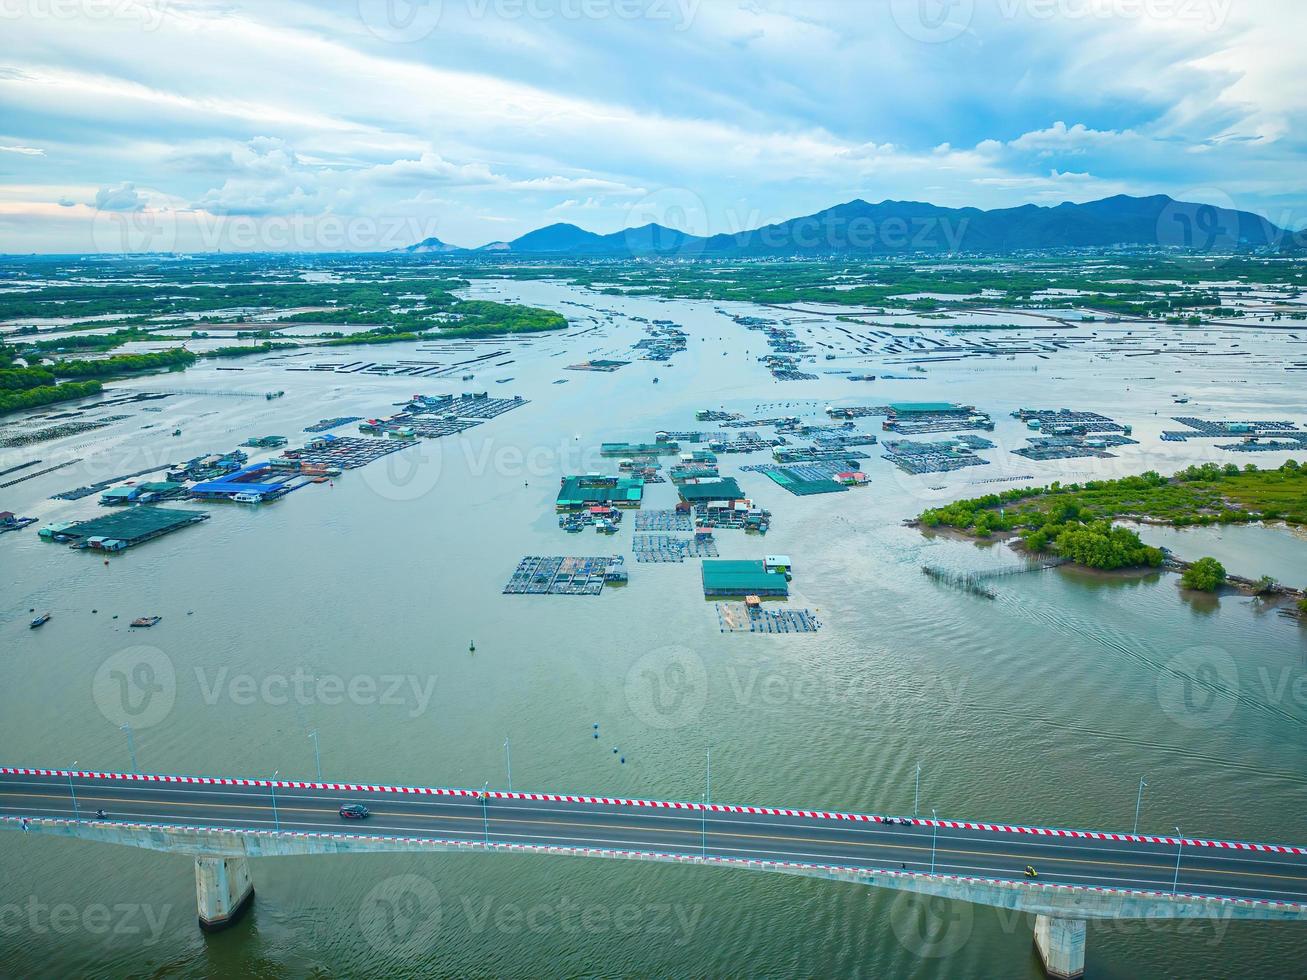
[
  {"x": 1061, "y": 138},
  {"x": 123, "y": 197}
]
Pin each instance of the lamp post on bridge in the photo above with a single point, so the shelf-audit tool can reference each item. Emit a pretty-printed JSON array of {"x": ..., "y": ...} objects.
[
  {"x": 317, "y": 753},
  {"x": 934, "y": 834},
  {"x": 1139, "y": 800},
  {"x": 485, "y": 809},
  {"x": 1175, "y": 884},
  {"x": 508, "y": 761},
  {"x": 707, "y": 801},
  {"x": 272, "y": 785},
  {"x": 916, "y": 793},
  {"x": 131, "y": 745},
  {"x": 73, "y": 790}
]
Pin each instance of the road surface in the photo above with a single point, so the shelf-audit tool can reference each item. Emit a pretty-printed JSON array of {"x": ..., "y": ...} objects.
[{"x": 919, "y": 847}]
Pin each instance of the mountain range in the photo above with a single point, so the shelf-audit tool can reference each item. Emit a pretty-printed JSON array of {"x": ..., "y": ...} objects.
[{"x": 861, "y": 228}]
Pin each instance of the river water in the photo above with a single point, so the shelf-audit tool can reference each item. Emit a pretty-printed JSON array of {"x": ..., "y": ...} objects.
[{"x": 1046, "y": 705}]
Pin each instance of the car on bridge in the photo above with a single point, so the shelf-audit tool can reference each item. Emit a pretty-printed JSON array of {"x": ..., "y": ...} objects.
[{"x": 354, "y": 811}]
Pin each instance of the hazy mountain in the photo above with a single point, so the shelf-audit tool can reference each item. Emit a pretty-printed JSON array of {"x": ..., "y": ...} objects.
[
  {"x": 428, "y": 246},
  {"x": 859, "y": 227}
]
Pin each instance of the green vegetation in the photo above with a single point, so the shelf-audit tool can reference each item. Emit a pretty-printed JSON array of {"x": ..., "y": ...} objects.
[
  {"x": 1162, "y": 288},
  {"x": 1096, "y": 545},
  {"x": 31, "y": 386},
  {"x": 1073, "y": 520},
  {"x": 1204, "y": 575},
  {"x": 20, "y": 379},
  {"x": 95, "y": 342},
  {"x": 125, "y": 364},
  {"x": 1199, "y": 495},
  {"x": 17, "y": 401},
  {"x": 1264, "y": 585},
  {"x": 244, "y": 350}
]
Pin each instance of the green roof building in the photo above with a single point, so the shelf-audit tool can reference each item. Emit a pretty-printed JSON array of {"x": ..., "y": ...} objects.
[
  {"x": 723, "y": 489},
  {"x": 639, "y": 449},
  {"x": 580, "y": 492},
  {"x": 742, "y": 578},
  {"x": 929, "y": 408}
]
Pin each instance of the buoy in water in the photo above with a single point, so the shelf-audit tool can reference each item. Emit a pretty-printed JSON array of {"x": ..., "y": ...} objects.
[{"x": 472, "y": 647}]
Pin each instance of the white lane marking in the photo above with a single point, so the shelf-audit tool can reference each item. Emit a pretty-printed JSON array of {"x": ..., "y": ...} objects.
[{"x": 1070, "y": 847}]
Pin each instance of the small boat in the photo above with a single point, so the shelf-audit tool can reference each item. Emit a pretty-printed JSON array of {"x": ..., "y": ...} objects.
[
  {"x": 40, "y": 620},
  {"x": 247, "y": 498},
  {"x": 145, "y": 622}
]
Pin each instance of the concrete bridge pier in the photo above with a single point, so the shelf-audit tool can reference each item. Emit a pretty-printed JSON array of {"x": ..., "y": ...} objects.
[
  {"x": 223, "y": 891},
  {"x": 1061, "y": 945}
]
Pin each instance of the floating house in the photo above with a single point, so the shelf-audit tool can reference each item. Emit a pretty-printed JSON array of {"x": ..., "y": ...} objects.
[
  {"x": 742, "y": 578},
  {"x": 119, "y": 496},
  {"x": 594, "y": 489},
  {"x": 722, "y": 491},
  {"x": 639, "y": 449},
  {"x": 124, "y": 529},
  {"x": 259, "y": 481}
]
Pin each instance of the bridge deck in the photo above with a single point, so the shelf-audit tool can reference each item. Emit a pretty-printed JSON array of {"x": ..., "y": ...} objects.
[{"x": 1274, "y": 874}]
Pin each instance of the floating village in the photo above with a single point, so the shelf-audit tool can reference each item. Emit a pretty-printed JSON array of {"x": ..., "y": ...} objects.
[{"x": 672, "y": 496}]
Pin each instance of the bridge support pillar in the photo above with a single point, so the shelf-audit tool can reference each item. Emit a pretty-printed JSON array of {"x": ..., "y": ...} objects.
[
  {"x": 1061, "y": 945},
  {"x": 223, "y": 891}
]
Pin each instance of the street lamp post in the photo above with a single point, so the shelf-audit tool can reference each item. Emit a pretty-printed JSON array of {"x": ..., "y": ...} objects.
[
  {"x": 916, "y": 793},
  {"x": 1139, "y": 800},
  {"x": 272, "y": 785},
  {"x": 1175, "y": 884},
  {"x": 508, "y": 760},
  {"x": 73, "y": 790},
  {"x": 485, "y": 809},
  {"x": 934, "y": 835},
  {"x": 703, "y": 829},
  {"x": 317, "y": 752},
  {"x": 131, "y": 745}
]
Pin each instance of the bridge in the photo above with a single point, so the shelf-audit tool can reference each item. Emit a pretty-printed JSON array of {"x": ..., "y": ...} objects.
[{"x": 1082, "y": 874}]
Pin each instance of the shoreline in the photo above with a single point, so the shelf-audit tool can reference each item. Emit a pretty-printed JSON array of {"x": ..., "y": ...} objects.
[{"x": 1284, "y": 597}]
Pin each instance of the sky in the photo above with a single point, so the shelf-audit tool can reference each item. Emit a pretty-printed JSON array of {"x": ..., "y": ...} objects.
[{"x": 201, "y": 125}]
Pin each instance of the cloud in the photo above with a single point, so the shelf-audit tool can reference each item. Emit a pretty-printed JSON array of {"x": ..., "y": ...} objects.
[
  {"x": 123, "y": 197},
  {"x": 65, "y": 202},
  {"x": 512, "y": 115},
  {"x": 1060, "y": 138},
  {"x": 27, "y": 151}
]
